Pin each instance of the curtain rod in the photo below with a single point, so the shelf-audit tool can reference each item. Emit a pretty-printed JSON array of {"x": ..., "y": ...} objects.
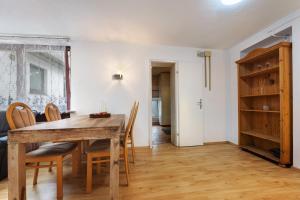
[{"x": 34, "y": 36}]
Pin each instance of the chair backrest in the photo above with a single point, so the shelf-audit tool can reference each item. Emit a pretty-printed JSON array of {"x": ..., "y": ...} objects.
[
  {"x": 134, "y": 116},
  {"x": 19, "y": 115},
  {"x": 129, "y": 124},
  {"x": 52, "y": 112},
  {"x": 130, "y": 116}
]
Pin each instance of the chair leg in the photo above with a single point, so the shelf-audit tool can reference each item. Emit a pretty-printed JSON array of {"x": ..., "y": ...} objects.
[
  {"x": 89, "y": 174},
  {"x": 98, "y": 166},
  {"x": 85, "y": 145},
  {"x": 36, "y": 174},
  {"x": 132, "y": 149},
  {"x": 50, "y": 168},
  {"x": 76, "y": 161},
  {"x": 59, "y": 174},
  {"x": 80, "y": 148},
  {"x": 126, "y": 166}
]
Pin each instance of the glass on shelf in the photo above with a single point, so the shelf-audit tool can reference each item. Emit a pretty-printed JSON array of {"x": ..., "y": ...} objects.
[
  {"x": 103, "y": 107},
  {"x": 268, "y": 64},
  {"x": 266, "y": 107},
  {"x": 259, "y": 66}
]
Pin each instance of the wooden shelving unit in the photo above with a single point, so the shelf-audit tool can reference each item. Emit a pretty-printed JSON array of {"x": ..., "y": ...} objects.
[
  {"x": 261, "y": 72},
  {"x": 258, "y": 134},
  {"x": 261, "y": 111},
  {"x": 261, "y": 152},
  {"x": 265, "y": 94},
  {"x": 259, "y": 95}
]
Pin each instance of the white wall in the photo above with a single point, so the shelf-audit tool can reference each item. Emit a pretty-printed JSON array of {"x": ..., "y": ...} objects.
[
  {"x": 232, "y": 98},
  {"x": 296, "y": 93},
  {"x": 94, "y": 63}
]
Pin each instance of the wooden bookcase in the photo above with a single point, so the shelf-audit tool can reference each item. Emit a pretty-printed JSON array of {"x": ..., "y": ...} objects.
[{"x": 265, "y": 103}]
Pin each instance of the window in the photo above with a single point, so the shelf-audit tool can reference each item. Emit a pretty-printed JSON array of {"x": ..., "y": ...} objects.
[
  {"x": 35, "y": 74},
  {"x": 37, "y": 80}
]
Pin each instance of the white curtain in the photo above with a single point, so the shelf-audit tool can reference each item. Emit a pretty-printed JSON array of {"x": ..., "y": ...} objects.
[{"x": 33, "y": 72}]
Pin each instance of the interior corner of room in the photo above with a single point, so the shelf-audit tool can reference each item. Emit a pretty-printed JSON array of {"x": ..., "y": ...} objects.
[{"x": 140, "y": 100}]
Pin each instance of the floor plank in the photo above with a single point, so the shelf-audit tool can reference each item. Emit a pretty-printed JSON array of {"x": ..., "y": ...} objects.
[{"x": 211, "y": 172}]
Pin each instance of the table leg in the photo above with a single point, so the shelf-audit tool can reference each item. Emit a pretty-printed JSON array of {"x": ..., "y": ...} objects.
[
  {"x": 16, "y": 172},
  {"x": 114, "y": 168}
]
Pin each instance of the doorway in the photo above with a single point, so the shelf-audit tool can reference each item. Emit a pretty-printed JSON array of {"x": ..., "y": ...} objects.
[{"x": 163, "y": 103}]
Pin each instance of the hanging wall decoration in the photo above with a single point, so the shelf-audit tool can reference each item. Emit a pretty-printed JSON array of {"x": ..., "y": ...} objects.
[{"x": 207, "y": 68}]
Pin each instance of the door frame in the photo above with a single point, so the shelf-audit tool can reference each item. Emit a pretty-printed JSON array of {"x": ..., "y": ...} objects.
[{"x": 176, "y": 99}]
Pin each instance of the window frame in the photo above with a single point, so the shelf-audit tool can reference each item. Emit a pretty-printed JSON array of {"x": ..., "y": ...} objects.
[{"x": 44, "y": 81}]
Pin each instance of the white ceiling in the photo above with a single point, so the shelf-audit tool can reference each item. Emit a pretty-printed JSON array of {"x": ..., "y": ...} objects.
[{"x": 193, "y": 23}]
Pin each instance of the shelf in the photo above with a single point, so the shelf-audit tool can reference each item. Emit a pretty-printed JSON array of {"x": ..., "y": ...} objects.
[
  {"x": 263, "y": 52},
  {"x": 262, "y": 136},
  {"x": 261, "y": 111},
  {"x": 261, "y": 152},
  {"x": 264, "y": 74},
  {"x": 261, "y": 72},
  {"x": 260, "y": 95}
]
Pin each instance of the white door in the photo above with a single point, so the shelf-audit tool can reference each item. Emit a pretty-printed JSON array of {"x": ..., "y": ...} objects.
[{"x": 191, "y": 121}]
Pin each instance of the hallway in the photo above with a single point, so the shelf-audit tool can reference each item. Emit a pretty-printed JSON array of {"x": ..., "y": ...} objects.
[{"x": 161, "y": 135}]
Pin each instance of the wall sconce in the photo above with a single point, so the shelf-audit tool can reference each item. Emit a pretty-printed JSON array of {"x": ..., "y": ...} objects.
[{"x": 117, "y": 77}]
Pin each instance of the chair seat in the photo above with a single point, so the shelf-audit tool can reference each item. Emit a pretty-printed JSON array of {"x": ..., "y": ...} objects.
[
  {"x": 99, "y": 145},
  {"x": 52, "y": 149}
]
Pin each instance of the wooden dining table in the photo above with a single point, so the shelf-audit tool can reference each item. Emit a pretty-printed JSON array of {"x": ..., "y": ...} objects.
[{"x": 71, "y": 129}]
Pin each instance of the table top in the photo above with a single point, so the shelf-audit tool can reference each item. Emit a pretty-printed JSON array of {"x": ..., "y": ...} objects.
[
  {"x": 77, "y": 122},
  {"x": 74, "y": 128}
]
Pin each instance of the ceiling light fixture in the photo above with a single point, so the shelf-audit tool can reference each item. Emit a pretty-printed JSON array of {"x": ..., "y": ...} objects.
[{"x": 230, "y": 2}]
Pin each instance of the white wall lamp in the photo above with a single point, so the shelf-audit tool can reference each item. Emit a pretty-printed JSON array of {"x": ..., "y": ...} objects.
[{"x": 117, "y": 76}]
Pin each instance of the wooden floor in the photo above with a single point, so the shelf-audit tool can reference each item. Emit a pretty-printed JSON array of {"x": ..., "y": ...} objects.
[
  {"x": 211, "y": 172},
  {"x": 159, "y": 136}
]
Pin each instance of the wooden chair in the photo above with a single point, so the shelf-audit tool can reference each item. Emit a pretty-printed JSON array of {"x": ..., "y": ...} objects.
[
  {"x": 19, "y": 115},
  {"x": 99, "y": 152},
  {"x": 130, "y": 140},
  {"x": 52, "y": 113}
]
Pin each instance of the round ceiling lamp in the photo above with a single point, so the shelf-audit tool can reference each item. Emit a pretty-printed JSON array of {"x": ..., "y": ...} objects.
[{"x": 230, "y": 2}]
